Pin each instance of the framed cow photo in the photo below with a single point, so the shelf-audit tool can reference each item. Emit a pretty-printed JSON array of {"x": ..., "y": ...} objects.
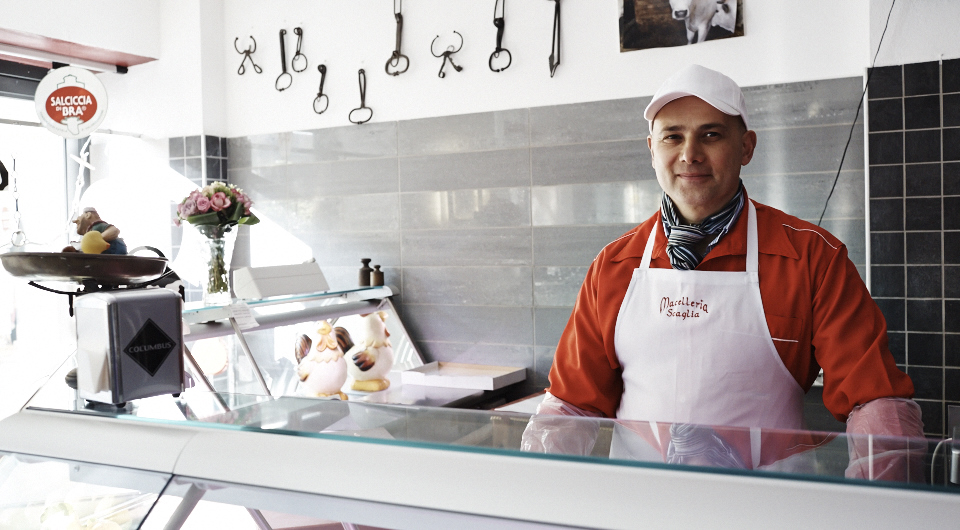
[{"x": 662, "y": 23}]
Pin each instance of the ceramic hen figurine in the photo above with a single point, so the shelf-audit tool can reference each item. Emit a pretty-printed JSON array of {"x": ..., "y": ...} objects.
[
  {"x": 371, "y": 360},
  {"x": 322, "y": 370}
]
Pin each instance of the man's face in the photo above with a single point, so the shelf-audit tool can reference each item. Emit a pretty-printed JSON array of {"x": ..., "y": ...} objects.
[{"x": 697, "y": 152}]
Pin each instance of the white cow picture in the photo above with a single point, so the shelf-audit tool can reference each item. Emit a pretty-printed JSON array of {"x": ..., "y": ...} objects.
[{"x": 699, "y": 15}]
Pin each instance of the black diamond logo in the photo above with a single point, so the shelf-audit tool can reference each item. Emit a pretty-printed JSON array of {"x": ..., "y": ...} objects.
[{"x": 150, "y": 347}]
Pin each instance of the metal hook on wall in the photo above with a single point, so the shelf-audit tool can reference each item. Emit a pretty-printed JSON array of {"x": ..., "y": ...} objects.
[
  {"x": 246, "y": 55},
  {"x": 298, "y": 57},
  {"x": 362, "y": 76},
  {"x": 321, "y": 97},
  {"x": 396, "y": 58},
  {"x": 499, "y": 23},
  {"x": 446, "y": 55},
  {"x": 555, "y": 42}
]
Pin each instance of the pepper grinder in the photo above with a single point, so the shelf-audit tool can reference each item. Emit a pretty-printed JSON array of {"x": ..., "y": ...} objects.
[
  {"x": 365, "y": 271},
  {"x": 376, "y": 277}
]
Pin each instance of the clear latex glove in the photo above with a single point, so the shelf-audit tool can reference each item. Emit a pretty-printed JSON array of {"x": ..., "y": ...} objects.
[
  {"x": 559, "y": 427},
  {"x": 881, "y": 456}
]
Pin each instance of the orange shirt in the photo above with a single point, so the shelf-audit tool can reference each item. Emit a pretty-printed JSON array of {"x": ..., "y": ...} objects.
[{"x": 813, "y": 299}]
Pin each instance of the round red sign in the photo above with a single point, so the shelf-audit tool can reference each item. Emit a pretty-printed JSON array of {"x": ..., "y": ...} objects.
[{"x": 71, "y": 102}]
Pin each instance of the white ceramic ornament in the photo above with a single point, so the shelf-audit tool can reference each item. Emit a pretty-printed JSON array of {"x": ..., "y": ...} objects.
[
  {"x": 369, "y": 361},
  {"x": 322, "y": 369}
]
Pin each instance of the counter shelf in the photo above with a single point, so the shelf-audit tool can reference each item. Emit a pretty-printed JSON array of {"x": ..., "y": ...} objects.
[{"x": 418, "y": 467}]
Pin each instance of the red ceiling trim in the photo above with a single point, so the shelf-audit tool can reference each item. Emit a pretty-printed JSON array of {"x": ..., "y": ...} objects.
[{"x": 70, "y": 49}]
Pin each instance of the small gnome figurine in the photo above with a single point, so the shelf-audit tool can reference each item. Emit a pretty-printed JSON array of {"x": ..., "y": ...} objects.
[
  {"x": 373, "y": 358},
  {"x": 322, "y": 370},
  {"x": 98, "y": 236}
]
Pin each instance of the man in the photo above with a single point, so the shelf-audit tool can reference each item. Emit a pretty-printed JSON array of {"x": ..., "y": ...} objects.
[{"x": 718, "y": 310}]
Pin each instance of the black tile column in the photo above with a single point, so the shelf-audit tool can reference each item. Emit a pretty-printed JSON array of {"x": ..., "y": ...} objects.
[{"x": 914, "y": 188}]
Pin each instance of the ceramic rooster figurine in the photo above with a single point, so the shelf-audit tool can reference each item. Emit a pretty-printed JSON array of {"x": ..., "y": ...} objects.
[
  {"x": 372, "y": 359},
  {"x": 322, "y": 370}
]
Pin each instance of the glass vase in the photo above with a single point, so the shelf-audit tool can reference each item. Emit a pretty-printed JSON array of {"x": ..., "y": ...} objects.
[{"x": 217, "y": 252}]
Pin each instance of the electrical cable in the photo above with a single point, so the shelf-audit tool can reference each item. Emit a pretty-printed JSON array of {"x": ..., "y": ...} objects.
[{"x": 853, "y": 126}]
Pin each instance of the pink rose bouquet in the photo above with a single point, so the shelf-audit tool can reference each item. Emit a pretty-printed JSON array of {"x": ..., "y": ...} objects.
[{"x": 215, "y": 209}]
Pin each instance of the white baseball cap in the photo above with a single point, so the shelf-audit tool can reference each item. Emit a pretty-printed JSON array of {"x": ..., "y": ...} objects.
[{"x": 709, "y": 85}]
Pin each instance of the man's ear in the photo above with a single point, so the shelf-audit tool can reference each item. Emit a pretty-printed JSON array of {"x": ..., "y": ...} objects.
[
  {"x": 749, "y": 145},
  {"x": 650, "y": 147}
]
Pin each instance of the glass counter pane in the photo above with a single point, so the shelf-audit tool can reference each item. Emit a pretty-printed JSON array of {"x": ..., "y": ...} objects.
[
  {"x": 802, "y": 455},
  {"x": 40, "y": 493}
]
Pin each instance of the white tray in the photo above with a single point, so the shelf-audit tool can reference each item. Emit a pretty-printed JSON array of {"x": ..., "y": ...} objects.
[{"x": 457, "y": 375}]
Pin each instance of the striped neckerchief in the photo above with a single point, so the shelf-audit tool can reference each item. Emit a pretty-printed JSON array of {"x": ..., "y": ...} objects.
[{"x": 682, "y": 240}]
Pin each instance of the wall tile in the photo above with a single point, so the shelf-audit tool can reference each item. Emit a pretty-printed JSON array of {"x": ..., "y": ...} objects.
[
  {"x": 557, "y": 286},
  {"x": 926, "y": 349},
  {"x": 574, "y": 246},
  {"x": 373, "y": 140},
  {"x": 346, "y": 249},
  {"x": 804, "y": 194},
  {"x": 886, "y": 148},
  {"x": 898, "y": 346},
  {"x": 951, "y": 213},
  {"x": 887, "y": 281},
  {"x": 602, "y": 203},
  {"x": 595, "y": 121},
  {"x": 223, "y": 147},
  {"x": 176, "y": 147},
  {"x": 927, "y": 382},
  {"x": 951, "y": 110},
  {"x": 490, "y": 246},
  {"x": 893, "y": 310},
  {"x": 951, "y": 385},
  {"x": 485, "y": 169},
  {"x": 932, "y": 413},
  {"x": 923, "y": 247},
  {"x": 951, "y": 350},
  {"x": 364, "y": 213},
  {"x": 922, "y": 146},
  {"x": 240, "y": 152},
  {"x": 886, "y": 248},
  {"x": 921, "y": 78},
  {"x": 951, "y": 75},
  {"x": 347, "y": 177},
  {"x": 260, "y": 150},
  {"x": 921, "y": 112},
  {"x": 506, "y": 129},
  {"x": 924, "y": 282},
  {"x": 886, "y": 214},
  {"x": 194, "y": 170},
  {"x": 625, "y": 160},
  {"x": 264, "y": 183},
  {"x": 886, "y": 114},
  {"x": 886, "y": 181},
  {"x": 951, "y": 178},
  {"x": 803, "y": 104},
  {"x": 851, "y": 233},
  {"x": 923, "y": 214},
  {"x": 923, "y": 179},
  {"x": 550, "y": 322},
  {"x": 885, "y": 82},
  {"x": 951, "y": 144},
  {"x": 474, "y": 208},
  {"x": 178, "y": 166},
  {"x": 951, "y": 247},
  {"x": 951, "y": 282},
  {"x": 474, "y": 324},
  {"x": 542, "y": 363},
  {"x": 807, "y": 150},
  {"x": 213, "y": 145},
  {"x": 192, "y": 146},
  {"x": 924, "y": 315},
  {"x": 951, "y": 311},
  {"x": 213, "y": 169},
  {"x": 488, "y": 286}
]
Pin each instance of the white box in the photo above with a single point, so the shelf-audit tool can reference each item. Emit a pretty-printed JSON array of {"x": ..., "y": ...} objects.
[
  {"x": 253, "y": 283},
  {"x": 457, "y": 375}
]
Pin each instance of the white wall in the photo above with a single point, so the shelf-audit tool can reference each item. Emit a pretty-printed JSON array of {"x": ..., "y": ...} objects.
[
  {"x": 119, "y": 25},
  {"x": 919, "y": 31},
  {"x": 785, "y": 41}
]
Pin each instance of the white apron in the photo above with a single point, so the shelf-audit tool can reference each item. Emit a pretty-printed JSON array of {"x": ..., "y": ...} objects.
[{"x": 695, "y": 348}]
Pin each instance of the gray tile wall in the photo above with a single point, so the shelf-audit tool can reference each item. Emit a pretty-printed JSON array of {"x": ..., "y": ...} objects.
[{"x": 487, "y": 222}]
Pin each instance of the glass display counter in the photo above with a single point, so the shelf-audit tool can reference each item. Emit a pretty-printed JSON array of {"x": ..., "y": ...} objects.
[
  {"x": 393, "y": 466},
  {"x": 248, "y": 347}
]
